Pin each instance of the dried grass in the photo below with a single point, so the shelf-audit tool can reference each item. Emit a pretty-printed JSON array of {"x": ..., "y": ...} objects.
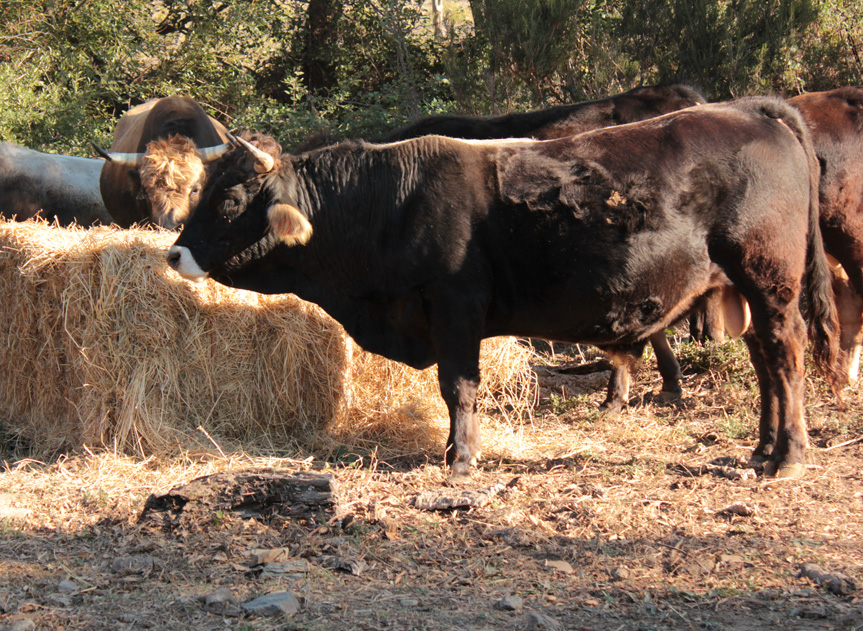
[{"x": 106, "y": 347}]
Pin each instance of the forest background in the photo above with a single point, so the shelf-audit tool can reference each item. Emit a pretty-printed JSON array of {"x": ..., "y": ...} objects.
[{"x": 354, "y": 68}]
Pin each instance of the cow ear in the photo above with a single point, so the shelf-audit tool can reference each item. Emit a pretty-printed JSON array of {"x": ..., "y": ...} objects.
[{"x": 289, "y": 224}]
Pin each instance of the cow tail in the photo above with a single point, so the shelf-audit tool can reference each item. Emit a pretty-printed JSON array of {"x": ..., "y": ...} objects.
[{"x": 820, "y": 310}]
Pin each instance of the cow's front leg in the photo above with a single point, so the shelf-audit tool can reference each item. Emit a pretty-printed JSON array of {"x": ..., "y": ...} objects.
[{"x": 458, "y": 386}]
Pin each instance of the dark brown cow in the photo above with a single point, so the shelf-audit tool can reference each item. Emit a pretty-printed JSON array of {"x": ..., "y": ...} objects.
[
  {"x": 156, "y": 165},
  {"x": 55, "y": 187},
  {"x": 424, "y": 247},
  {"x": 566, "y": 120},
  {"x": 835, "y": 120}
]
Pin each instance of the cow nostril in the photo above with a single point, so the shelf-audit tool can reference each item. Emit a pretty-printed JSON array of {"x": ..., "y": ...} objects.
[{"x": 174, "y": 258}]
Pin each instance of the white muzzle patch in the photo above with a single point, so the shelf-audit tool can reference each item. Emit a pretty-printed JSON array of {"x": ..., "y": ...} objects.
[{"x": 180, "y": 258}]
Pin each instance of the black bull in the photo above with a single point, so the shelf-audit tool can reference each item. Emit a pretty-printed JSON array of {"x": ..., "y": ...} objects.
[{"x": 422, "y": 248}]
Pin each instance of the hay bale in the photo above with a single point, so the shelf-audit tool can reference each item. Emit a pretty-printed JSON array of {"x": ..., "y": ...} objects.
[{"x": 105, "y": 346}]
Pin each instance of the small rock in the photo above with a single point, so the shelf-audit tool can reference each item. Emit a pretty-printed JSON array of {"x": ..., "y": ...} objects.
[
  {"x": 260, "y": 557},
  {"x": 734, "y": 473},
  {"x": 620, "y": 574},
  {"x": 20, "y": 624},
  {"x": 741, "y": 509},
  {"x": 284, "y": 603},
  {"x": 409, "y": 602},
  {"x": 346, "y": 564},
  {"x": 133, "y": 565},
  {"x": 67, "y": 587},
  {"x": 221, "y": 595},
  {"x": 560, "y": 566},
  {"x": 221, "y": 602},
  {"x": 835, "y": 582},
  {"x": 510, "y": 603},
  {"x": 448, "y": 498},
  {"x": 540, "y": 622}
]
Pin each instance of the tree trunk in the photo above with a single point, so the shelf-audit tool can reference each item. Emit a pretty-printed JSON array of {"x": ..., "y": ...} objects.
[
  {"x": 437, "y": 19},
  {"x": 321, "y": 31}
]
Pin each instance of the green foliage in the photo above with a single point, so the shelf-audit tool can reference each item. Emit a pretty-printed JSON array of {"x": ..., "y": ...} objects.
[
  {"x": 70, "y": 68},
  {"x": 527, "y": 42},
  {"x": 731, "y": 47}
]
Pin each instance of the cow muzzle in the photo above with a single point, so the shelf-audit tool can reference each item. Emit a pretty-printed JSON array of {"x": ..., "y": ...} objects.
[{"x": 181, "y": 260}]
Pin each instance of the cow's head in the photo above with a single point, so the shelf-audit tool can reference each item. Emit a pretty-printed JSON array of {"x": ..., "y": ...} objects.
[
  {"x": 169, "y": 175},
  {"x": 248, "y": 207},
  {"x": 172, "y": 174}
]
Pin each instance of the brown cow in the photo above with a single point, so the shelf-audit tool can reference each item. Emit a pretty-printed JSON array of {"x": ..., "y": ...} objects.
[{"x": 156, "y": 166}]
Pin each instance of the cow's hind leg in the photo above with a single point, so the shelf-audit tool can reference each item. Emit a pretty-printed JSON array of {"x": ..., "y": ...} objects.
[
  {"x": 849, "y": 305},
  {"x": 768, "y": 426},
  {"x": 454, "y": 327},
  {"x": 668, "y": 366},
  {"x": 776, "y": 346},
  {"x": 623, "y": 362}
]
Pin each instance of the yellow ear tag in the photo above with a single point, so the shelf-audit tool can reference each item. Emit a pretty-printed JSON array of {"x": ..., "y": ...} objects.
[{"x": 289, "y": 224}]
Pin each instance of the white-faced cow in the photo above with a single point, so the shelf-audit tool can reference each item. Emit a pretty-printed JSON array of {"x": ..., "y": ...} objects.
[
  {"x": 157, "y": 162},
  {"x": 567, "y": 120},
  {"x": 56, "y": 187},
  {"x": 424, "y": 247}
]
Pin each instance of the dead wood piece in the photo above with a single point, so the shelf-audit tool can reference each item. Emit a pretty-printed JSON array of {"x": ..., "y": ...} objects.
[
  {"x": 446, "y": 499},
  {"x": 584, "y": 369},
  {"x": 259, "y": 494}
]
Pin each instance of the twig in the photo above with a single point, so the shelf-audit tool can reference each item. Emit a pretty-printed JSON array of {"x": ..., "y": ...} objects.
[
  {"x": 845, "y": 444},
  {"x": 210, "y": 438}
]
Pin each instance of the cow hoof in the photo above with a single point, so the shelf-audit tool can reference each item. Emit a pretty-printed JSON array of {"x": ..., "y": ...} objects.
[
  {"x": 459, "y": 475},
  {"x": 611, "y": 409},
  {"x": 668, "y": 396},
  {"x": 757, "y": 460},
  {"x": 786, "y": 471},
  {"x": 761, "y": 454}
]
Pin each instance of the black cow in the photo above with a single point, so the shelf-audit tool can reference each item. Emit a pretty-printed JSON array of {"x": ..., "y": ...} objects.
[
  {"x": 559, "y": 121},
  {"x": 421, "y": 248}
]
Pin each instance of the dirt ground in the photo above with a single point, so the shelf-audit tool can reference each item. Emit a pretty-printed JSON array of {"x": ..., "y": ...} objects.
[{"x": 651, "y": 520}]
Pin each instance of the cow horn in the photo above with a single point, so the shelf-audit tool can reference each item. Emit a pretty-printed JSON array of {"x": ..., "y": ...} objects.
[
  {"x": 264, "y": 162},
  {"x": 209, "y": 154},
  {"x": 124, "y": 159}
]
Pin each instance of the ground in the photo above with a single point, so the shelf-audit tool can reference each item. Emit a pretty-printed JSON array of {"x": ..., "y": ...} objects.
[{"x": 646, "y": 521}]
